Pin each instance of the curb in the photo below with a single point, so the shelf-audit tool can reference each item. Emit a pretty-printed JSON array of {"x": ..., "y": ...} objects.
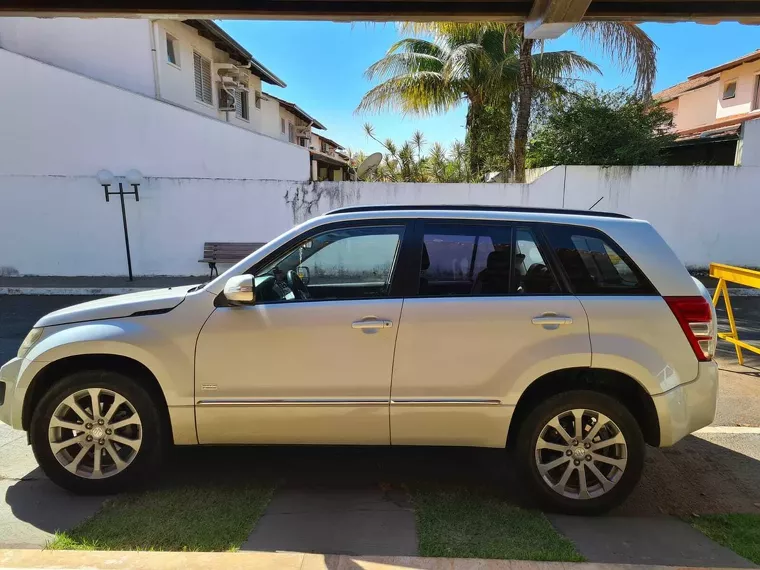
[{"x": 114, "y": 560}]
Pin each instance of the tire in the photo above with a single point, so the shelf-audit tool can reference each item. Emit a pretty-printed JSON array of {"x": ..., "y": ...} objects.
[
  {"x": 569, "y": 498},
  {"x": 144, "y": 430}
]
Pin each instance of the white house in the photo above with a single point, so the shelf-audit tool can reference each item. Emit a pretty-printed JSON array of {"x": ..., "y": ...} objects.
[
  {"x": 296, "y": 126},
  {"x": 191, "y": 63}
]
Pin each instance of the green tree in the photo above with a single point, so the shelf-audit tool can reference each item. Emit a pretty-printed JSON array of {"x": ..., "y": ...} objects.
[
  {"x": 601, "y": 128},
  {"x": 464, "y": 63},
  {"x": 625, "y": 42},
  {"x": 409, "y": 163}
]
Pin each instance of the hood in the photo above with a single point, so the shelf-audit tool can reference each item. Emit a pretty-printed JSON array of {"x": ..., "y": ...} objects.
[{"x": 161, "y": 300}]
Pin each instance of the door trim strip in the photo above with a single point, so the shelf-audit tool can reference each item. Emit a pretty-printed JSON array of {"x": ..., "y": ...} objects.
[
  {"x": 445, "y": 402},
  {"x": 296, "y": 402}
]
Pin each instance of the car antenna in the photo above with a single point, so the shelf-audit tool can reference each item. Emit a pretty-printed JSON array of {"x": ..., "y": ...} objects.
[{"x": 595, "y": 203}]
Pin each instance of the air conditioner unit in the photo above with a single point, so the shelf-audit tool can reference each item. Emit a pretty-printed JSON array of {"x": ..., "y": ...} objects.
[
  {"x": 227, "y": 92},
  {"x": 303, "y": 131},
  {"x": 225, "y": 69}
]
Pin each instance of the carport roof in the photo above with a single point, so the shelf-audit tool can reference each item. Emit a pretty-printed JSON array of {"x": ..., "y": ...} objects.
[{"x": 544, "y": 18}]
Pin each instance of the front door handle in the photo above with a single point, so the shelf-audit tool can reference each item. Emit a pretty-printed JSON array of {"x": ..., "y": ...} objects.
[
  {"x": 551, "y": 320},
  {"x": 372, "y": 324}
]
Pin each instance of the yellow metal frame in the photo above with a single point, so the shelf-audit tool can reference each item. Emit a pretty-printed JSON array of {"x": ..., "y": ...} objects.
[{"x": 731, "y": 274}]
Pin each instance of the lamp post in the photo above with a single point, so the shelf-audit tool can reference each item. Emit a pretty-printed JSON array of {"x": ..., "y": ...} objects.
[{"x": 134, "y": 178}]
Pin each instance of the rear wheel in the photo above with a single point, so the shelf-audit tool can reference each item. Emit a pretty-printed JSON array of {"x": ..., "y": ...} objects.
[
  {"x": 581, "y": 451},
  {"x": 96, "y": 432}
]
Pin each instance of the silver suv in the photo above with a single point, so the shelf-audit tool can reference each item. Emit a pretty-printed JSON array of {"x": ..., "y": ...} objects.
[{"x": 572, "y": 338}]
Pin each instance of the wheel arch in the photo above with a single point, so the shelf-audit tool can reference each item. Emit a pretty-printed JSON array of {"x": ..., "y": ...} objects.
[
  {"x": 58, "y": 369},
  {"x": 618, "y": 385}
]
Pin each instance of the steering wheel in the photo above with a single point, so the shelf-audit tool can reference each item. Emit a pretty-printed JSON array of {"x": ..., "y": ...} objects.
[{"x": 297, "y": 285}]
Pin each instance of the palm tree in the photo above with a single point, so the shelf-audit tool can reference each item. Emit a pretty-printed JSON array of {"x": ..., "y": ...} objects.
[
  {"x": 633, "y": 49},
  {"x": 469, "y": 63}
]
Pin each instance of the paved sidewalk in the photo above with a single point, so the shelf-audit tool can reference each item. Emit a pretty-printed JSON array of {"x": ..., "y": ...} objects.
[
  {"x": 96, "y": 560},
  {"x": 361, "y": 520},
  {"x": 635, "y": 540}
]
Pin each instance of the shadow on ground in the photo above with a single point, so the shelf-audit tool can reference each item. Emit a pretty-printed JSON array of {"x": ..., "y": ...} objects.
[{"x": 694, "y": 476}]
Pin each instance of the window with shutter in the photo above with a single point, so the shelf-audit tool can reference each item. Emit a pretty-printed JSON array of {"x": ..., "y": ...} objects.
[
  {"x": 202, "y": 68},
  {"x": 241, "y": 104}
]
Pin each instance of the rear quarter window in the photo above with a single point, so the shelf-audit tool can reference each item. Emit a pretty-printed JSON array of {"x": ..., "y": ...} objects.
[{"x": 594, "y": 264}]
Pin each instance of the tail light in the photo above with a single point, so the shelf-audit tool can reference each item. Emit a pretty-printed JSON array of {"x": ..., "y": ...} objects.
[{"x": 694, "y": 314}]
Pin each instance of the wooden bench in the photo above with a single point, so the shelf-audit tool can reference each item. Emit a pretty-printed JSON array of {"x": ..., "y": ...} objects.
[{"x": 226, "y": 252}]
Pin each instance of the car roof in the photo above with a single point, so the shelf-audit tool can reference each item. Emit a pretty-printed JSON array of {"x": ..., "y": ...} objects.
[{"x": 423, "y": 209}]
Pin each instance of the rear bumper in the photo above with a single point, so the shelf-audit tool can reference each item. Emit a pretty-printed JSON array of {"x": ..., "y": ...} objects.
[{"x": 688, "y": 407}]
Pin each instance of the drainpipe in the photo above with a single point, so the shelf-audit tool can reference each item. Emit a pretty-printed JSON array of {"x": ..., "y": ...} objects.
[{"x": 155, "y": 35}]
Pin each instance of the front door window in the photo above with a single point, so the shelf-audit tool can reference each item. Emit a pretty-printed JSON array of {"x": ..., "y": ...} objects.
[{"x": 348, "y": 263}]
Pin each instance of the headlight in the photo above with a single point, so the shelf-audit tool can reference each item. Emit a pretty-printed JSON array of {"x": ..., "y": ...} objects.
[{"x": 30, "y": 340}]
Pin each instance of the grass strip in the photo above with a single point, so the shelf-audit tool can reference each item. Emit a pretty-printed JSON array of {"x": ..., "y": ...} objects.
[
  {"x": 739, "y": 532},
  {"x": 473, "y": 523},
  {"x": 188, "y": 518}
]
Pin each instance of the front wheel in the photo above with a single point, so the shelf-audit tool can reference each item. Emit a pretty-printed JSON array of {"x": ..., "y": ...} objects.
[
  {"x": 96, "y": 432},
  {"x": 582, "y": 452}
]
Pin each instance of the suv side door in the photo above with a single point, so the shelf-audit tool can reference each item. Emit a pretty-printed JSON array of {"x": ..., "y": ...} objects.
[
  {"x": 489, "y": 317},
  {"x": 313, "y": 366}
]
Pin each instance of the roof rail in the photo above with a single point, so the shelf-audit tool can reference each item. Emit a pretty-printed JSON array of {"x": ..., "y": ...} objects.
[{"x": 475, "y": 208}]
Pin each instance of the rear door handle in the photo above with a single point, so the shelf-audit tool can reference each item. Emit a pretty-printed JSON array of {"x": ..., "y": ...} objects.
[
  {"x": 372, "y": 324},
  {"x": 551, "y": 320}
]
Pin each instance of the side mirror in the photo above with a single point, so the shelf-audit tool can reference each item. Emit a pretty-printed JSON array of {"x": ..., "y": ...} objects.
[{"x": 240, "y": 289}]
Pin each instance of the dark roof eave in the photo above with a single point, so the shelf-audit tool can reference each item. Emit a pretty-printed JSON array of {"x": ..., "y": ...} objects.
[
  {"x": 749, "y": 58},
  {"x": 703, "y": 140},
  {"x": 319, "y": 157},
  {"x": 296, "y": 110},
  {"x": 256, "y": 67}
]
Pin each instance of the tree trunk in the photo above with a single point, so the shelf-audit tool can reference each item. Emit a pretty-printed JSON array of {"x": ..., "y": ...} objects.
[
  {"x": 525, "y": 98},
  {"x": 473, "y": 139}
]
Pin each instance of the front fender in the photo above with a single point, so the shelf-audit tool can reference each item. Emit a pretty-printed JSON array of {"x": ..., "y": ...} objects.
[{"x": 167, "y": 358}]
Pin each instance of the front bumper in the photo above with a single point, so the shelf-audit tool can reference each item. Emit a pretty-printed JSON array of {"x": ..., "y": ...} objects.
[
  {"x": 688, "y": 407},
  {"x": 10, "y": 412}
]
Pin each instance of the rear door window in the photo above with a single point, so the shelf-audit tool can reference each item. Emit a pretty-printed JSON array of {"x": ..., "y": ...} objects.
[
  {"x": 465, "y": 260},
  {"x": 594, "y": 264},
  {"x": 532, "y": 275}
]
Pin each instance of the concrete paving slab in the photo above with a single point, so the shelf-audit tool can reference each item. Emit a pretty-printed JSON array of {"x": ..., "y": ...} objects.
[
  {"x": 8, "y": 435},
  {"x": 360, "y": 521},
  {"x": 645, "y": 540},
  {"x": 16, "y": 457},
  {"x": 33, "y": 510},
  {"x": 33, "y": 507}
]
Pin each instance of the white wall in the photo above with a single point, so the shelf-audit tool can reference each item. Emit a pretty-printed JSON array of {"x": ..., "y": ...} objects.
[
  {"x": 89, "y": 125},
  {"x": 116, "y": 51},
  {"x": 746, "y": 81},
  {"x": 178, "y": 82},
  {"x": 749, "y": 146},
  {"x": 61, "y": 225},
  {"x": 270, "y": 117},
  {"x": 209, "y": 181},
  {"x": 697, "y": 108},
  {"x": 290, "y": 118}
]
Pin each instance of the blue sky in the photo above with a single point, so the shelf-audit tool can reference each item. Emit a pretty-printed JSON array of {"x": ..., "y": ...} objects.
[{"x": 323, "y": 65}]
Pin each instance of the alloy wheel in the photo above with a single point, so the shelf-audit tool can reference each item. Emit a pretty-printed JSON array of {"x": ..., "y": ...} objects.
[
  {"x": 581, "y": 454},
  {"x": 95, "y": 433}
]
